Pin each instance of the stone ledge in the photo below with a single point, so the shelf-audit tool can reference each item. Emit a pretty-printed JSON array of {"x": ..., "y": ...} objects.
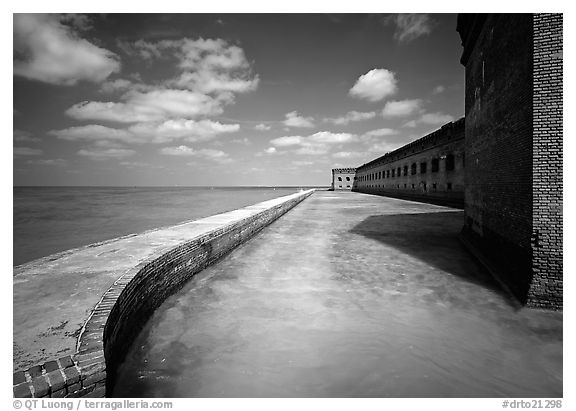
[{"x": 121, "y": 312}]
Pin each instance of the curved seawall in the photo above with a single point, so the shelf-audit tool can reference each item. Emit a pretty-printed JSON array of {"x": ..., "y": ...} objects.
[{"x": 76, "y": 313}]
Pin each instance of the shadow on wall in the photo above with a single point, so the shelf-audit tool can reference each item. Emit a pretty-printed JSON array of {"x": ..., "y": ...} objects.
[{"x": 433, "y": 239}]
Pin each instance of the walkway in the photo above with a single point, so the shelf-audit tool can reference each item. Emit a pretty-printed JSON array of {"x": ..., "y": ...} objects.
[{"x": 347, "y": 295}]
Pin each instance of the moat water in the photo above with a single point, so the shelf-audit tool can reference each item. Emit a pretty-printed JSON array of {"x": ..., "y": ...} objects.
[
  {"x": 347, "y": 296},
  {"x": 48, "y": 220}
]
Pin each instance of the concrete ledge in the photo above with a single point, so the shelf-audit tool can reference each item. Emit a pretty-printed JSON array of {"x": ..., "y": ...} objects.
[{"x": 126, "y": 305}]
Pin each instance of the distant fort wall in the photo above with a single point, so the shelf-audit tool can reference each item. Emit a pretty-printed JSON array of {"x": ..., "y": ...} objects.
[
  {"x": 430, "y": 169},
  {"x": 124, "y": 308},
  {"x": 343, "y": 178}
]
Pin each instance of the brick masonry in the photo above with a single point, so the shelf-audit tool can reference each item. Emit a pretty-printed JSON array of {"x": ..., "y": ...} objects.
[
  {"x": 513, "y": 144},
  {"x": 547, "y": 282},
  {"x": 430, "y": 169},
  {"x": 123, "y": 310}
]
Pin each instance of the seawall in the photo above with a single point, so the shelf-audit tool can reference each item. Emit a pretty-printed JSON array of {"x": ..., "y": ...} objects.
[{"x": 76, "y": 313}]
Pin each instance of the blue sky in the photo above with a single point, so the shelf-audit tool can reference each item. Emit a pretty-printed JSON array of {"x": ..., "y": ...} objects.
[{"x": 225, "y": 99}]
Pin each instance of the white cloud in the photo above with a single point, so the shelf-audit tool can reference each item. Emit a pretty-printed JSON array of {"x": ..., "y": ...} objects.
[
  {"x": 205, "y": 153},
  {"x": 411, "y": 26},
  {"x": 430, "y": 119},
  {"x": 401, "y": 108},
  {"x": 49, "y": 51},
  {"x": 181, "y": 129},
  {"x": 381, "y": 132},
  {"x": 383, "y": 147},
  {"x": 206, "y": 65},
  {"x": 178, "y": 151},
  {"x": 375, "y": 85},
  {"x": 351, "y": 116},
  {"x": 152, "y": 132},
  {"x": 93, "y": 133},
  {"x": 105, "y": 154},
  {"x": 438, "y": 89},
  {"x": 348, "y": 154},
  {"x": 287, "y": 141},
  {"x": 154, "y": 105},
  {"x": 316, "y": 144},
  {"x": 262, "y": 127},
  {"x": 21, "y": 136},
  {"x": 327, "y": 137},
  {"x": 293, "y": 119},
  {"x": 27, "y": 151},
  {"x": 270, "y": 150}
]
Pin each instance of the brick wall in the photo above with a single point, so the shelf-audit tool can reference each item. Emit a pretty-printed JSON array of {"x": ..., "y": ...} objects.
[
  {"x": 546, "y": 289},
  {"x": 498, "y": 144},
  {"x": 513, "y": 143},
  {"x": 123, "y": 310},
  {"x": 439, "y": 161}
]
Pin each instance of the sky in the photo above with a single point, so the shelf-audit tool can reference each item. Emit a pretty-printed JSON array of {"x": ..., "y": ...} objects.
[{"x": 225, "y": 99}]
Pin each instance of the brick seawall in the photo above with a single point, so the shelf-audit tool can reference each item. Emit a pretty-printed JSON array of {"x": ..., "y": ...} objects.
[{"x": 109, "y": 327}]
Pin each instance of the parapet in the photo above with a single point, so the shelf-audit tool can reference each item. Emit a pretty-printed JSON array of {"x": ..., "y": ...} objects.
[{"x": 76, "y": 313}]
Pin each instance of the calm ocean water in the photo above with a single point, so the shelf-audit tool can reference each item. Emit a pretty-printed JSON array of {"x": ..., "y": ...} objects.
[{"x": 48, "y": 220}]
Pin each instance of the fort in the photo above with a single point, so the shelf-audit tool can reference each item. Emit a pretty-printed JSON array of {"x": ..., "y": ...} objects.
[
  {"x": 77, "y": 313},
  {"x": 429, "y": 169},
  {"x": 502, "y": 162},
  {"x": 343, "y": 178}
]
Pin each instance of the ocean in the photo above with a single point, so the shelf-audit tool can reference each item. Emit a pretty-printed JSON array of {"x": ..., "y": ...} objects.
[{"x": 48, "y": 220}]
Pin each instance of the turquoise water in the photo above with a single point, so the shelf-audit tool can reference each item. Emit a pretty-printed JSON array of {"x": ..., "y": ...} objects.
[{"x": 48, "y": 220}]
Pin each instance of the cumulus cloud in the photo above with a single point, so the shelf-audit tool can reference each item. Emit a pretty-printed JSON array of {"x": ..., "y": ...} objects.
[
  {"x": 411, "y": 26},
  {"x": 327, "y": 137},
  {"x": 206, "y": 65},
  {"x": 180, "y": 129},
  {"x": 350, "y": 117},
  {"x": 293, "y": 119},
  {"x": 381, "y": 132},
  {"x": 154, "y": 105},
  {"x": 105, "y": 154},
  {"x": 401, "y": 108},
  {"x": 375, "y": 85},
  {"x": 206, "y": 153},
  {"x": 151, "y": 132},
  {"x": 316, "y": 144},
  {"x": 348, "y": 154},
  {"x": 50, "y": 51},
  {"x": 430, "y": 119},
  {"x": 21, "y": 136},
  {"x": 27, "y": 151},
  {"x": 270, "y": 150},
  {"x": 93, "y": 133},
  {"x": 262, "y": 127},
  {"x": 287, "y": 141},
  {"x": 178, "y": 151}
]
